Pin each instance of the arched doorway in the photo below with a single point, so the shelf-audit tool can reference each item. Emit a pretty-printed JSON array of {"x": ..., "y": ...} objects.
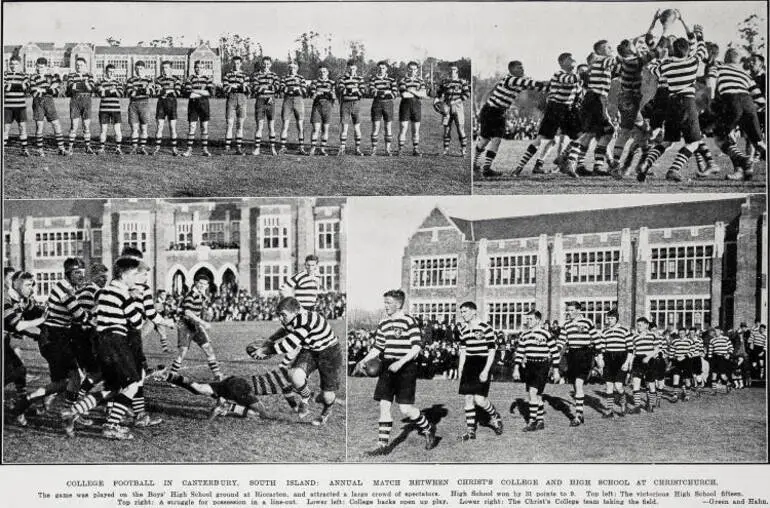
[
  {"x": 229, "y": 283},
  {"x": 205, "y": 271},
  {"x": 178, "y": 283}
]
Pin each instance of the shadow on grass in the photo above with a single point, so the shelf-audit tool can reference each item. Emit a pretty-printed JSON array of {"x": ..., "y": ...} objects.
[{"x": 559, "y": 404}]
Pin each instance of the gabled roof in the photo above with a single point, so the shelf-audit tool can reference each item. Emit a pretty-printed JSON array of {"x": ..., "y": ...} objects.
[{"x": 696, "y": 213}]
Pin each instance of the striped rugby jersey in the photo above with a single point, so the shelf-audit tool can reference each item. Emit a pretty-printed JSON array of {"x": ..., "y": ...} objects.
[
  {"x": 411, "y": 84},
  {"x": 235, "y": 82},
  {"x": 631, "y": 71},
  {"x": 758, "y": 339},
  {"x": 600, "y": 73},
  {"x": 478, "y": 339},
  {"x": 322, "y": 89},
  {"x": 293, "y": 86},
  {"x": 654, "y": 68},
  {"x": 508, "y": 89},
  {"x": 680, "y": 73},
  {"x": 168, "y": 86},
  {"x": 16, "y": 85},
  {"x": 308, "y": 330},
  {"x": 720, "y": 346},
  {"x": 265, "y": 84},
  {"x": 148, "y": 303},
  {"x": 732, "y": 80},
  {"x": 644, "y": 344},
  {"x": 383, "y": 88},
  {"x": 44, "y": 84},
  {"x": 396, "y": 336},
  {"x": 537, "y": 344},
  {"x": 193, "y": 301},
  {"x": 617, "y": 339},
  {"x": 138, "y": 87},
  {"x": 680, "y": 346},
  {"x": 696, "y": 347},
  {"x": 199, "y": 83},
  {"x": 13, "y": 308},
  {"x": 63, "y": 307},
  {"x": 79, "y": 83},
  {"x": 564, "y": 87},
  {"x": 351, "y": 88},
  {"x": 116, "y": 310},
  {"x": 110, "y": 90},
  {"x": 87, "y": 297},
  {"x": 305, "y": 287},
  {"x": 453, "y": 90},
  {"x": 580, "y": 333}
]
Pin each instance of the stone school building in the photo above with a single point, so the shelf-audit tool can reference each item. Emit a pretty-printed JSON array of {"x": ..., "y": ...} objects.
[{"x": 697, "y": 264}]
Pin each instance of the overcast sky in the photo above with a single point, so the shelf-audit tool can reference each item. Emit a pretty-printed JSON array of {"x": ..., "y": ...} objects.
[
  {"x": 392, "y": 31},
  {"x": 379, "y": 228},
  {"x": 537, "y": 32}
]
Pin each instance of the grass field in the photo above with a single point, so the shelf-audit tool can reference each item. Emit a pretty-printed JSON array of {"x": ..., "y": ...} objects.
[
  {"x": 722, "y": 428},
  {"x": 163, "y": 175},
  {"x": 556, "y": 183},
  {"x": 186, "y": 435}
]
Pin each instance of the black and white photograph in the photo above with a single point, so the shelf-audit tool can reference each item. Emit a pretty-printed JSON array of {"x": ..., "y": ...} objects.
[
  {"x": 559, "y": 329},
  {"x": 174, "y": 331},
  {"x": 237, "y": 99},
  {"x": 667, "y": 97}
]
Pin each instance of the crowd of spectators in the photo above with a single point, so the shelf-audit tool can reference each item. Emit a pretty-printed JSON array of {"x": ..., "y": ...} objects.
[
  {"x": 521, "y": 127},
  {"x": 233, "y": 304},
  {"x": 439, "y": 357}
]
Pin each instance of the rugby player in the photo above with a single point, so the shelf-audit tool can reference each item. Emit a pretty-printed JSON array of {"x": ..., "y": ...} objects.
[
  {"x": 350, "y": 90},
  {"x": 412, "y": 90},
  {"x": 138, "y": 89},
  {"x": 383, "y": 90},
  {"x": 583, "y": 342},
  {"x": 236, "y": 86},
  {"x": 193, "y": 328},
  {"x": 477, "y": 354},
  {"x": 397, "y": 342},
  {"x": 199, "y": 88},
  {"x": 80, "y": 84},
  {"x": 15, "y": 88},
  {"x": 322, "y": 93},
  {"x": 45, "y": 87},
  {"x": 538, "y": 354},
  {"x": 452, "y": 92},
  {"x": 169, "y": 87},
  {"x": 265, "y": 85},
  {"x": 311, "y": 344},
  {"x": 294, "y": 91},
  {"x": 492, "y": 116},
  {"x": 110, "y": 90},
  {"x": 559, "y": 115}
]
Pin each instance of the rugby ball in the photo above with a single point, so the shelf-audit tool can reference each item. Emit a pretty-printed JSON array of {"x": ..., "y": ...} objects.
[{"x": 373, "y": 367}]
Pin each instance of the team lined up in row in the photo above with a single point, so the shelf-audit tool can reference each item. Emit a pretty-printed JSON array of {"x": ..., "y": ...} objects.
[
  {"x": 577, "y": 107},
  {"x": 90, "y": 335},
  {"x": 618, "y": 352},
  {"x": 238, "y": 87}
]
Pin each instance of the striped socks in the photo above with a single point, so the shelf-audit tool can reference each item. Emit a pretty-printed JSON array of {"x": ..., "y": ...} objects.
[
  {"x": 579, "y": 401},
  {"x": 470, "y": 420},
  {"x": 681, "y": 160},
  {"x": 531, "y": 151},
  {"x": 383, "y": 433}
]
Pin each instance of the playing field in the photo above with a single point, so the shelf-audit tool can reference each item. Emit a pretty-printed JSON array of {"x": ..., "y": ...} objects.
[
  {"x": 164, "y": 175},
  {"x": 556, "y": 183},
  {"x": 186, "y": 435},
  {"x": 711, "y": 429}
]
